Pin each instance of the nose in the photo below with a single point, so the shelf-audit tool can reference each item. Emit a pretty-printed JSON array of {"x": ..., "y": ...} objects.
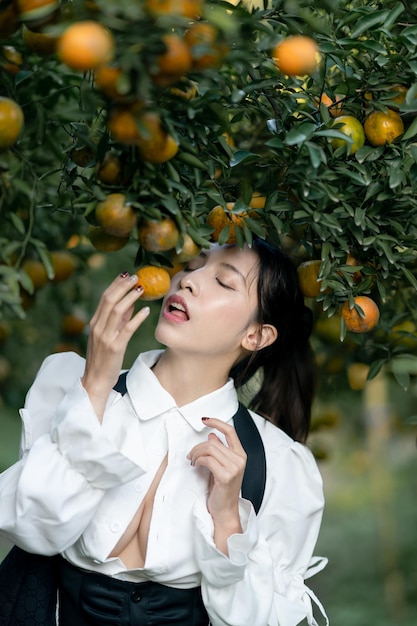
[{"x": 189, "y": 280}]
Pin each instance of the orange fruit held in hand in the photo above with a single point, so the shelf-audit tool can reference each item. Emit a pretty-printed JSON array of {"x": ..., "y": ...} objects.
[
  {"x": 115, "y": 216},
  {"x": 308, "y": 273},
  {"x": 383, "y": 127},
  {"x": 155, "y": 281},
  {"x": 86, "y": 45},
  {"x": 207, "y": 49},
  {"x": 352, "y": 128},
  {"x": 296, "y": 55},
  {"x": 357, "y": 323},
  {"x": 186, "y": 8},
  {"x": 174, "y": 62},
  {"x": 104, "y": 242},
  {"x": 158, "y": 235},
  {"x": 11, "y": 122},
  {"x": 42, "y": 44},
  {"x": 219, "y": 218},
  {"x": 64, "y": 264}
]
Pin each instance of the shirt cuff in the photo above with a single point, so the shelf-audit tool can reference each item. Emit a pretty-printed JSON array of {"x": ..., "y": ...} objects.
[
  {"x": 90, "y": 447},
  {"x": 217, "y": 568}
]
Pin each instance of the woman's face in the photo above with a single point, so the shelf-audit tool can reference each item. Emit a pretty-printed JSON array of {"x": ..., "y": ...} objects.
[{"x": 211, "y": 305}]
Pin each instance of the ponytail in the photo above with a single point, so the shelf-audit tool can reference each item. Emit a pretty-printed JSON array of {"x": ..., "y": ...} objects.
[{"x": 287, "y": 383}]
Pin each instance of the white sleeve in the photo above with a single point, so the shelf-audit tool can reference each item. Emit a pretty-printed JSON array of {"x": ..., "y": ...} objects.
[
  {"x": 261, "y": 582},
  {"x": 68, "y": 461}
]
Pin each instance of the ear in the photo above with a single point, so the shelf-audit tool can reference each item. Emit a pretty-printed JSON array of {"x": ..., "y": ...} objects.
[{"x": 259, "y": 336}]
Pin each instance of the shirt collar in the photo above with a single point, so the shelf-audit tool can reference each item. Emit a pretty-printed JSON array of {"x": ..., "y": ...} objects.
[{"x": 150, "y": 399}]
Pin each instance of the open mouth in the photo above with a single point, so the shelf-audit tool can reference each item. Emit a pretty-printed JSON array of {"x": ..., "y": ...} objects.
[{"x": 177, "y": 309}]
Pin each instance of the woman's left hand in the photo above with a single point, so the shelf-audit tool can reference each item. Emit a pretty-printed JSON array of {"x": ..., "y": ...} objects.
[{"x": 226, "y": 464}]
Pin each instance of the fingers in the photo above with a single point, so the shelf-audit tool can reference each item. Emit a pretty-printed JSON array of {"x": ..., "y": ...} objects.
[
  {"x": 216, "y": 456},
  {"x": 113, "y": 295}
]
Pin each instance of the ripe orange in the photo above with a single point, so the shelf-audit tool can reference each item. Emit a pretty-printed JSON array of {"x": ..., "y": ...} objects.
[
  {"x": 206, "y": 47},
  {"x": 257, "y": 201},
  {"x": 296, "y": 55},
  {"x": 219, "y": 218},
  {"x": 154, "y": 143},
  {"x": 174, "y": 62},
  {"x": 10, "y": 59},
  {"x": 308, "y": 272},
  {"x": 107, "y": 80},
  {"x": 188, "y": 251},
  {"x": 110, "y": 169},
  {"x": 73, "y": 324},
  {"x": 9, "y": 19},
  {"x": 42, "y": 44},
  {"x": 37, "y": 13},
  {"x": 123, "y": 124},
  {"x": 86, "y": 45},
  {"x": 357, "y": 323},
  {"x": 104, "y": 242},
  {"x": 186, "y": 8},
  {"x": 11, "y": 122},
  {"x": 64, "y": 264},
  {"x": 383, "y": 127},
  {"x": 352, "y": 128},
  {"x": 36, "y": 271},
  {"x": 158, "y": 236},
  {"x": 115, "y": 216},
  {"x": 155, "y": 281},
  {"x": 334, "y": 105}
]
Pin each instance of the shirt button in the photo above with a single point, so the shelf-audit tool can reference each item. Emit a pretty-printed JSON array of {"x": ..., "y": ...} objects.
[
  {"x": 138, "y": 488},
  {"x": 135, "y": 595},
  {"x": 115, "y": 527}
]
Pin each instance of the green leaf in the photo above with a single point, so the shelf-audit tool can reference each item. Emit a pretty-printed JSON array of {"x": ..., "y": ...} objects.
[
  {"x": 410, "y": 277},
  {"x": 411, "y": 130},
  {"x": 368, "y": 23},
  {"x": 243, "y": 156}
]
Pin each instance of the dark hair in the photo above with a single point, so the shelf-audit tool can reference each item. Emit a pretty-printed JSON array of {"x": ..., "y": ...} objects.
[{"x": 287, "y": 386}]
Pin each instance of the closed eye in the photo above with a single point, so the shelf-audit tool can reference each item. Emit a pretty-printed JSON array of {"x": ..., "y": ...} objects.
[{"x": 224, "y": 285}]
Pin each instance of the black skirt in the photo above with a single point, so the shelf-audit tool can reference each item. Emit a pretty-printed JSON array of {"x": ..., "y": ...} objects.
[{"x": 93, "y": 599}]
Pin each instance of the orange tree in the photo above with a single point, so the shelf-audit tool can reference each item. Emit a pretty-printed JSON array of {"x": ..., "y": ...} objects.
[{"x": 181, "y": 106}]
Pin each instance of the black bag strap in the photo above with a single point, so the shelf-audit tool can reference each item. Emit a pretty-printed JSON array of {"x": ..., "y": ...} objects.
[{"x": 254, "y": 478}]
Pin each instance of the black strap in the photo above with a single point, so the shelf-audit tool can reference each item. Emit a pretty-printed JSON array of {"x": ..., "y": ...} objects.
[{"x": 254, "y": 478}]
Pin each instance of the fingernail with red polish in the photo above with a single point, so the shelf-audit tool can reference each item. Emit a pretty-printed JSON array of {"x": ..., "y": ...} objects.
[
  {"x": 139, "y": 288},
  {"x": 205, "y": 419},
  {"x": 124, "y": 274}
]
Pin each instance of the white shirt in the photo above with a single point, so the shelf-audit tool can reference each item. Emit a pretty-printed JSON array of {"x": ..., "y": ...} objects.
[{"x": 78, "y": 484}]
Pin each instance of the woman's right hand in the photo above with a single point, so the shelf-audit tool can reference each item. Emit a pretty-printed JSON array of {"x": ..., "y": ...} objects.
[{"x": 111, "y": 329}]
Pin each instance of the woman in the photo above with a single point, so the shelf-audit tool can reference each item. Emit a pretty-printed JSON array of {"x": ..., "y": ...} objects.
[{"x": 141, "y": 492}]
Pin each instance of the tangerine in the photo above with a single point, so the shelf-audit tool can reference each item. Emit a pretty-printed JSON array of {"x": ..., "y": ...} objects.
[
  {"x": 64, "y": 264},
  {"x": 333, "y": 105},
  {"x": 73, "y": 324},
  {"x": 123, "y": 124},
  {"x": 85, "y": 46},
  {"x": 189, "y": 250},
  {"x": 10, "y": 59},
  {"x": 186, "y": 8},
  {"x": 36, "y": 271},
  {"x": 308, "y": 278},
  {"x": 207, "y": 50},
  {"x": 357, "y": 375},
  {"x": 383, "y": 127},
  {"x": 219, "y": 218},
  {"x": 296, "y": 55},
  {"x": 37, "y": 13},
  {"x": 353, "y": 129},
  {"x": 115, "y": 216},
  {"x": 154, "y": 143},
  {"x": 356, "y": 322},
  {"x": 174, "y": 62},
  {"x": 155, "y": 281},
  {"x": 42, "y": 44},
  {"x": 110, "y": 169},
  {"x": 11, "y": 122},
  {"x": 104, "y": 242},
  {"x": 158, "y": 236},
  {"x": 107, "y": 79}
]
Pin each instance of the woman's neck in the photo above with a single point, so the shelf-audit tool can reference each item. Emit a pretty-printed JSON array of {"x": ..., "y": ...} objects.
[{"x": 188, "y": 377}]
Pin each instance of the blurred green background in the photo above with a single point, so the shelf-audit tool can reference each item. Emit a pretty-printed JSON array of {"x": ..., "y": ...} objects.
[{"x": 365, "y": 450}]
